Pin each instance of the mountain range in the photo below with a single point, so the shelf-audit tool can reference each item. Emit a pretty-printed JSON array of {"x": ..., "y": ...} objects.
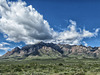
[{"x": 54, "y": 50}]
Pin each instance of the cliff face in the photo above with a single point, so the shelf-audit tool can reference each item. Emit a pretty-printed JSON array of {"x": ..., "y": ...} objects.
[{"x": 50, "y": 49}]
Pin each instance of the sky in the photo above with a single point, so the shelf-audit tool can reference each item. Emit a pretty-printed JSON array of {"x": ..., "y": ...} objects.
[{"x": 71, "y": 22}]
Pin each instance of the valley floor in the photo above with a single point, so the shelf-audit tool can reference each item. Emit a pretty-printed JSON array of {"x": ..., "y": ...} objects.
[{"x": 55, "y": 66}]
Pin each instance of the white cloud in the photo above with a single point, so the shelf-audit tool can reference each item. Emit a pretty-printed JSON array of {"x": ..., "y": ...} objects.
[
  {"x": 72, "y": 36},
  {"x": 85, "y": 43},
  {"x": 0, "y": 55},
  {"x": 20, "y": 22},
  {"x": 2, "y": 46}
]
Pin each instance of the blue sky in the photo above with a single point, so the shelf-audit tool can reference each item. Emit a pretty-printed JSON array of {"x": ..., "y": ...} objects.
[{"x": 61, "y": 15}]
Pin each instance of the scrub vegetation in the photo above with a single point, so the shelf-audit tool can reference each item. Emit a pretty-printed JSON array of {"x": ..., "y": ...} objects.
[{"x": 50, "y": 66}]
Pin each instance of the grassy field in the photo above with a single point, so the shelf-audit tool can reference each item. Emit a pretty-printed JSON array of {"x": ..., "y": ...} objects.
[{"x": 54, "y": 66}]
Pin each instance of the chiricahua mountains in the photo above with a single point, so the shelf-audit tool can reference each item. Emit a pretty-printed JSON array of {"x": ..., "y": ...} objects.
[{"x": 42, "y": 49}]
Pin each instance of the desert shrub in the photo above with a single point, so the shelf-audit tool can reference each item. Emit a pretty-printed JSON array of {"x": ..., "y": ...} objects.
[{"x": 60, "y": 64}]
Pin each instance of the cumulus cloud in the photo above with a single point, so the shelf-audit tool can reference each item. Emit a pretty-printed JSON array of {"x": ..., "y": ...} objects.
[
  {"x": 72, "y": 36},
  {"x": 20, "y": 22},
  {"x": 2, "y": 46},
  {"x": 23, "y": 23}
]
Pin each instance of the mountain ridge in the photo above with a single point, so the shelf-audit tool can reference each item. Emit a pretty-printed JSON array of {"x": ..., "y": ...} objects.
[{"x": 54, "y": 50}]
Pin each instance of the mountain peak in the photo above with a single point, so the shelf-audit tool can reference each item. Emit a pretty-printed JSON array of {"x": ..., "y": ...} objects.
[{"x": 16, "y": 48}]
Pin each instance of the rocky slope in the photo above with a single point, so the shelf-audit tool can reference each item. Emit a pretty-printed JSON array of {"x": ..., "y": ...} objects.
[{"x": 54, "y": 50}]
